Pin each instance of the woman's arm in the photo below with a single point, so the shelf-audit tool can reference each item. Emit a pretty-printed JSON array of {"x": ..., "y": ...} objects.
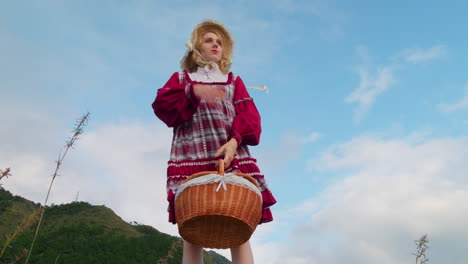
[
  {"x": 175, "y": 103},
  {"x": 246, "y": 127}
]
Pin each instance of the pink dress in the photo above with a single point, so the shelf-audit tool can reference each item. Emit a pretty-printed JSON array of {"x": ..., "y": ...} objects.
[{"x": 201, "y": 128}]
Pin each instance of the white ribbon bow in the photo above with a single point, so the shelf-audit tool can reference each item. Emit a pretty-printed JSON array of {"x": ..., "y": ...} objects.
[
  {"x": 189, "y": 45},
  {"x": 260, "y": 87},
  {"x": 221, "y": 183}
]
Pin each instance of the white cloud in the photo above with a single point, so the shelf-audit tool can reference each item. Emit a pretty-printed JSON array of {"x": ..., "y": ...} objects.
[
  {"x": 313, "y": 137},
  {"x": 289, "y": 145},
  {"x": 120, "y": 166},
  {"x": 387, "y": 194},
  {"x": 373, "y": 81},
  {"x": 418, "y": 136},
  {"x": 462, "y": 104},
  {"x": 271, "y": 239},
  {"x": 417, "y": 56},
  {"x": 371, "y": 85},
  {"x": 266, "y": 252}
]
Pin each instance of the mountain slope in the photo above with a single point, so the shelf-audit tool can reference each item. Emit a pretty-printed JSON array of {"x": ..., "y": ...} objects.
[{"x": 83, "y": 233}]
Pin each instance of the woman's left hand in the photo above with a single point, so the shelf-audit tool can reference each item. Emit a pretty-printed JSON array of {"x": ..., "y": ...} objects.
[{"x": 229, "y": 149}]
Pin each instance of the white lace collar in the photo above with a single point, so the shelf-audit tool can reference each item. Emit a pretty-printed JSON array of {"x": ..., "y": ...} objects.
[{"x": 207, "y": 75}]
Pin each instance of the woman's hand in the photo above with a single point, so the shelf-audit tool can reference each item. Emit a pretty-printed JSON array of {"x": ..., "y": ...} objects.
[
  {"x": 229, "y": 149},
  {"x": 210, "y": 93}
]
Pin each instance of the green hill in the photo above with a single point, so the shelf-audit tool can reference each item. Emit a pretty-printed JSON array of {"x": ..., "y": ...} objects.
[{"x": 83, "y": 233}]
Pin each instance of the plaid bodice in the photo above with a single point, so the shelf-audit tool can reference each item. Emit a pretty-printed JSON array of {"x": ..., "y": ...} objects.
[{"x": 208, "y": 129}]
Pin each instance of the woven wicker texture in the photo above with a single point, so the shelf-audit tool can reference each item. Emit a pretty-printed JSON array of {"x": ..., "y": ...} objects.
[{"x": 223, "y": 219}]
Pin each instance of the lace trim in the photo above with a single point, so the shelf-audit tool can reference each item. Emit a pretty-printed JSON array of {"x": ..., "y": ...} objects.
[
  {"x": 246, "y": 162},
  {"x": 254, "y": 173},
  {"x": 197, "y": 163},
  {"x": 208, "y": 75},
  {"x": 228, "y": 170},
  {"x": 191, "y": 163},
  {"x": 222, "y": 180},
  {"x": 180, "y": 176},
  {"x": 242, "y": 100}
]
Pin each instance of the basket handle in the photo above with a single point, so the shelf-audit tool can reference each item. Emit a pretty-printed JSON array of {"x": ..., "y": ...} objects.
[
  {"x": 221, "y": 167},
  {"x": 243, "y": 175}
]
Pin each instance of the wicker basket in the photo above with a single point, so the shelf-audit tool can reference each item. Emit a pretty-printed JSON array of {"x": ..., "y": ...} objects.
[{"x": 214, "y": 210}]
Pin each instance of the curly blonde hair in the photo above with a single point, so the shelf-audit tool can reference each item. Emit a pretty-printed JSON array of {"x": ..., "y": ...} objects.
[{"x": 191, "y": 61}]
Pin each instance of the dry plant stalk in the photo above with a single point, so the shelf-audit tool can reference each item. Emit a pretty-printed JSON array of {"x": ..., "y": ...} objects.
[
  {"x": 175, "y": 245},
  {"x": 25, "y": 251},
  {"x": 77, "y": 131},
  {"x": 421, "y": 246},
  {"x": 25, "y": 223},
  {"x": 5, "y": 174}
]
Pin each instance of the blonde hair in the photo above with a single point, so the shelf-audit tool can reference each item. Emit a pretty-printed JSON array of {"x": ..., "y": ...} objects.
[{"x": 191, "y": 60}]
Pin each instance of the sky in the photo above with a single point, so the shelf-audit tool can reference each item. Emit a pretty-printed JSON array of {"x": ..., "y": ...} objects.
[{"x": 364, "y": 141}]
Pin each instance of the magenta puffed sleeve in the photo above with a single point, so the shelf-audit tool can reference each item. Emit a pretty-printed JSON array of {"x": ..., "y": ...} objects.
[
  {"x": 175, "y": 102},
  {"x": 246, "y": 127}
]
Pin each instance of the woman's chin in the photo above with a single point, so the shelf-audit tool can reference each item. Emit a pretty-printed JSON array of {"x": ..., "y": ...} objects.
[{"x": 213, "y": 59}]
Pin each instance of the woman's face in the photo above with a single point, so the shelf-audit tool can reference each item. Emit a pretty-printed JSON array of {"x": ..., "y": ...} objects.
[{"x": 211, "y": 47}]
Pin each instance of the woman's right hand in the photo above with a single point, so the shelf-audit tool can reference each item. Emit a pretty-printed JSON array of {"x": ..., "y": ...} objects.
[{"x": 210, "y": 93}]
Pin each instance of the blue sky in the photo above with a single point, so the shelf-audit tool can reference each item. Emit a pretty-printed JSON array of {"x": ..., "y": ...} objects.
[{"x": 365, "y": 122}]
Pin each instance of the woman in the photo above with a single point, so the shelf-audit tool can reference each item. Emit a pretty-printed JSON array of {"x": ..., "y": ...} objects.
[{"x": 213, "y": 116}]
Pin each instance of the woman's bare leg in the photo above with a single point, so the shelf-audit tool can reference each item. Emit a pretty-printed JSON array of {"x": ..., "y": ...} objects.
[
  {"x": 192, "y": 254},
  {"x": 242, "y": 254}
]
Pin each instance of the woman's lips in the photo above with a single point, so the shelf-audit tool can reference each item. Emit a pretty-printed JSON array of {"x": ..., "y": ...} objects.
[{"x": 214, "y": 51}]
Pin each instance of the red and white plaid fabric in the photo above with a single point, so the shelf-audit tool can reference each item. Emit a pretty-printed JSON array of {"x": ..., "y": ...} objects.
[{"x": 209, "y": 128}]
